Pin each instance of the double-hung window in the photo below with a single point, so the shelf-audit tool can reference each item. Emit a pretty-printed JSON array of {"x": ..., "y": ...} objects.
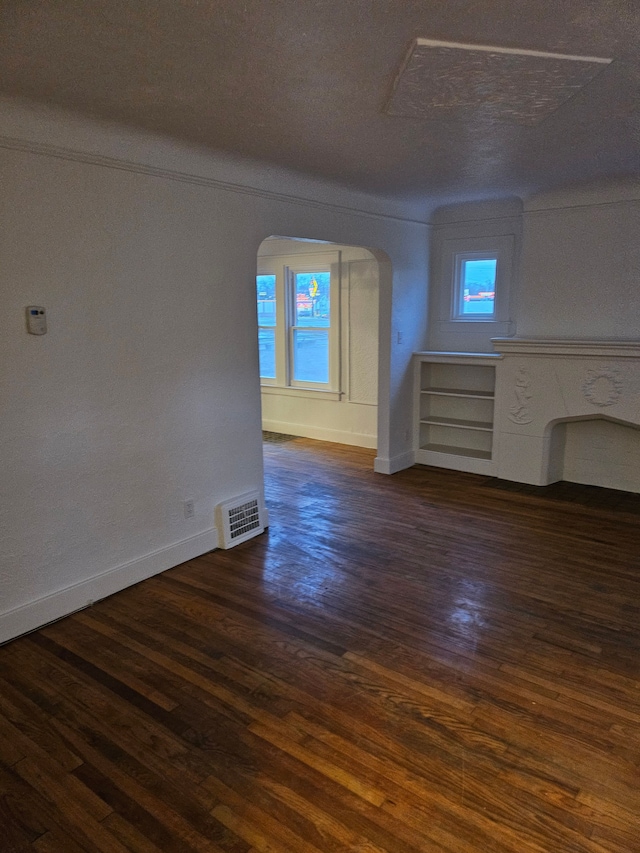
[{"x": 298, "y": 322}]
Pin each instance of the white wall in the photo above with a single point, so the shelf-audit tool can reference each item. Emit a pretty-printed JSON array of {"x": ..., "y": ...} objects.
[
  {"x": 579, "y": 279},
  {"x": 576, "y": 274},
  {"x": 454, "y": 226},
  {"x": 145, "y": 390},
  {"x": 352, "y": 417},
  {"x": 581, "y": 265}
]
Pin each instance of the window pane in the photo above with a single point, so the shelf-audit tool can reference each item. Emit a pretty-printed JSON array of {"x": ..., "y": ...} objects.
[
  {"x": 311, "y": 355},
  {"x": 312, "y": 299},
  {"x": 478, "y": 286},
  {"x": 267, "y": 347},
  {"x": 266, "y": 287}
]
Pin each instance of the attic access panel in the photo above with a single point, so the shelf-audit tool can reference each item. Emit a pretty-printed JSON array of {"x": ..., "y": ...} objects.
[{"x": 447, "y": 80}]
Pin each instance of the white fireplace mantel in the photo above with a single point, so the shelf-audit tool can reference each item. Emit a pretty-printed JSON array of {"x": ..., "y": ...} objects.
[
  {"x": 576, "y": 348},
  {"x": 543, "y": 383}
]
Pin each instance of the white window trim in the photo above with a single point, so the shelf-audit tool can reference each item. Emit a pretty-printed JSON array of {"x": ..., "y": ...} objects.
[
  {"x": 502, "y": 248},
  {"x": 457, "y": 296},
  {"x": 268, "y": 269},
  {"x": 284, "y": 391},
  {"x": 284, "y": 269}
]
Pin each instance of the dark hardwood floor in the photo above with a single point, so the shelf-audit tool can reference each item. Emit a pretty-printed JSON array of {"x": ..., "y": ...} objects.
[{"x": 422, "y": 662}]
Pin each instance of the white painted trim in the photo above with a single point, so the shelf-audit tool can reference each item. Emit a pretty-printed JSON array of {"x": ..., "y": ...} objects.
[
  {"x": 440, "y": 357},
  {"x": 513, "y": 51},
  {"x": 553, "y": 347},
  {"x": 357, "y": 439},
  {"x": 109, "y": 162},
  {"x": 547, "y": 204},
  {"x": 35, "y": 614},
  {"x": 395, "y": 463},
  {"x": 453, "y": 462},
  {"x": 291, "y": 391}
]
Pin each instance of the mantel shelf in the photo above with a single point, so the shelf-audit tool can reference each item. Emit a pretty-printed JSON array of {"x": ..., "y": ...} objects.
[{"x": 555, "y": 347}]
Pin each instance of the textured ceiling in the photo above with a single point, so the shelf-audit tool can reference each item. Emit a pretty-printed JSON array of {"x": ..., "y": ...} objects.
[
  {"x": 306, "y": 85},
  {"x": 442, "y": 80}
]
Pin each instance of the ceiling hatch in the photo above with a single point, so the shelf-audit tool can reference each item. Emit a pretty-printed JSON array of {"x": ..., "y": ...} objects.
[{"x": 446, "y": 80}]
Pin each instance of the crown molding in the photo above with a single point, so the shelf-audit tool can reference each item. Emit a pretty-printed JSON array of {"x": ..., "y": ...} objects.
[
  {"x": 108, "y": 162},
  {"x": 553, "y": 347}
]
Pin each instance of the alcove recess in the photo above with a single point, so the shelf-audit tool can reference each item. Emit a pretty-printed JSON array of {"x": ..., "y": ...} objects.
[{"x": 454, "y": 417}]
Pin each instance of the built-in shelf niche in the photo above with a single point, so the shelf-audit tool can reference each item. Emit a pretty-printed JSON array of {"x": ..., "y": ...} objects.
[{"x": 454, "y": 400}]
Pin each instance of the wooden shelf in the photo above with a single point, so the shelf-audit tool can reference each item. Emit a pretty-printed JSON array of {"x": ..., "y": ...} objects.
[
  {"x": 457, "y": 451},
  {"x": 458, "y": 392},
  {"x": 457, "y": 423}
]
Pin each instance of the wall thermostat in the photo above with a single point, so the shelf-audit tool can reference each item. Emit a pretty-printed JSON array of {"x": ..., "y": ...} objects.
[{"x": 36, "y": 320}]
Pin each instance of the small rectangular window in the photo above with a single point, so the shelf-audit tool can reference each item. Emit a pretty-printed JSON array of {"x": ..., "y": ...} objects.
[{"x": 475, "y": 286}]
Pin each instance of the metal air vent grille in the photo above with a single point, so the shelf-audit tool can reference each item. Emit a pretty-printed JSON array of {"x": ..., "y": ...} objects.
[{"x": 239, "y": 519}]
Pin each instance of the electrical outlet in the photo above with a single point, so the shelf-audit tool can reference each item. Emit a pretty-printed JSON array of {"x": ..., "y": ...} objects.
[{"x": 189, "y": 509}]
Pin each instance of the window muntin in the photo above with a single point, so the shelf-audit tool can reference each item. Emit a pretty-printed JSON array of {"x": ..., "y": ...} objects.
[{"x": 474, "y": 288}]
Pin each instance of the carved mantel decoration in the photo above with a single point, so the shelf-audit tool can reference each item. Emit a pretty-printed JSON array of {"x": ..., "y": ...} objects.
[
  {"x": 541, "y": 383},
  {"x": 602, "y": 387},
  {"x": 519, "y": 412}
]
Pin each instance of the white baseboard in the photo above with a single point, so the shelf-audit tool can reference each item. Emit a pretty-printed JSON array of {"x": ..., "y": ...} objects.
[
  {"x": 395, "y": 463},
  {"x": 357, "y": 439},
  {"x": 47, "y": 609},
  {"x": 485, "y": 467}
]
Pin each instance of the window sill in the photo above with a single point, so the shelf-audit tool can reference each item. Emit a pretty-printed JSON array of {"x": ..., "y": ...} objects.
[{"x": 288, "y": 391}]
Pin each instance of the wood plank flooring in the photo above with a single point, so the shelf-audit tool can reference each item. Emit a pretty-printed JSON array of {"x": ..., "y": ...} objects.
[{"x": 422, "y": 662}]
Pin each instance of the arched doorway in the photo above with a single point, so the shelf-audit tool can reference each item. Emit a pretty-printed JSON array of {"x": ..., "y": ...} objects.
[{"x": 318, "y": 330}]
